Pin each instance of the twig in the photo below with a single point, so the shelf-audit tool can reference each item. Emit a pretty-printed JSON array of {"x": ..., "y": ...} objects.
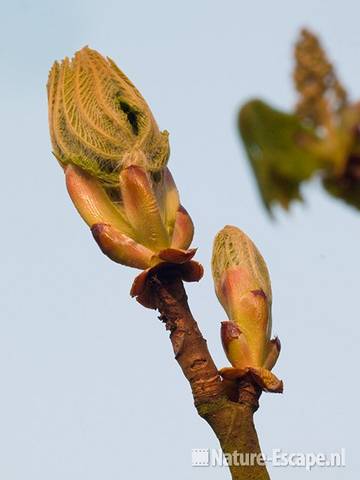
[{"x": 228, "y": 408}]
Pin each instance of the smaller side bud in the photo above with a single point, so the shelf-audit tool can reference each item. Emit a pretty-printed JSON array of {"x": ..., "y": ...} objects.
[{"x": 242, "y": 284}]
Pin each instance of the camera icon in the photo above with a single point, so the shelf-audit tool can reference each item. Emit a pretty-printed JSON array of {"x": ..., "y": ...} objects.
[{"x": 200, "y": 457}]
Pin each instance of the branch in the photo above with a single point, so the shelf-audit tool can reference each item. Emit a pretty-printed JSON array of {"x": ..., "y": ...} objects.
[{"x": 227, "y": 408}]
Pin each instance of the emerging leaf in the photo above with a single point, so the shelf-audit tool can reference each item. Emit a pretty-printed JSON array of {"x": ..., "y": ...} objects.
[{"x": 98, "y": 120}]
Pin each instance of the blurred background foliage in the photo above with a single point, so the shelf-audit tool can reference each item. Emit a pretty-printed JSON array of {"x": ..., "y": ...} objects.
[{"x": 321, "y": 136}]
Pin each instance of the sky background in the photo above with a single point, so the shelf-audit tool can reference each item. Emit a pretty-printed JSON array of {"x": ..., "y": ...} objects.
[{"x": 81, "y": 396}]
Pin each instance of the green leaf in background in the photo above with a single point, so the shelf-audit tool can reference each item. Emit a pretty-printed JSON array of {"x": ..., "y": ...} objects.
[{"x": 279, "y": 150}]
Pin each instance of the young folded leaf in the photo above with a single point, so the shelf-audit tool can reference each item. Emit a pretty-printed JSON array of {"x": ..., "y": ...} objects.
[{"x": 97, "y": 118}]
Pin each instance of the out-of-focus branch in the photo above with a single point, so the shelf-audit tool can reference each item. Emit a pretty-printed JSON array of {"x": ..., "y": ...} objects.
[{"x": 319, "y": 137}]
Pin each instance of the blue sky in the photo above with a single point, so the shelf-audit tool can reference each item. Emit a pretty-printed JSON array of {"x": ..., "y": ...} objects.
[{"x": 81, "y": 397}]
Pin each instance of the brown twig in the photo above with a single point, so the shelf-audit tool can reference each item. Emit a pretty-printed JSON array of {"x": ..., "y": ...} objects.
[
  {"x": 228, "y": 408},
  {"x": 189, "y": 346}
]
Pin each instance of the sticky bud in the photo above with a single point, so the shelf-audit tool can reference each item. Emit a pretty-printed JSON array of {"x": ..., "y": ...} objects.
[
  {"x": 114, "y": 158},
  {"x": 243, "y": 287}
]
